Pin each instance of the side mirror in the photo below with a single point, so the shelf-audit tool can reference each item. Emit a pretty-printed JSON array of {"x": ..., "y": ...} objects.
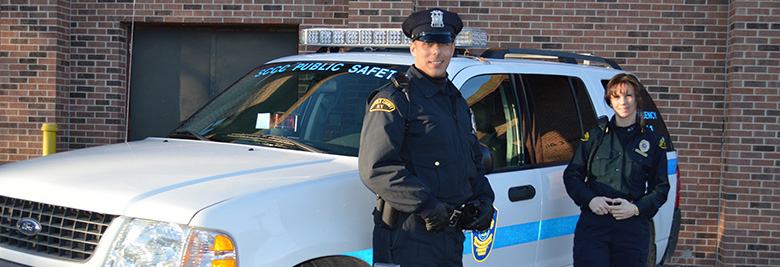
[{"x": 487, "y": 158}]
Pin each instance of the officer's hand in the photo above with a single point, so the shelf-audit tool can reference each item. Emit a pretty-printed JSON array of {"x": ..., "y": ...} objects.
[
  {"x": 599, "y": 205},
  {"x": 623, "y": 211},
  {"x": 484, "y": 216},
  {"x": 438, "y": 218}
]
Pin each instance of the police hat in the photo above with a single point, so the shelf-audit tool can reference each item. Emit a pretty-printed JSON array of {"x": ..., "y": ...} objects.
[{"x": 434, "y": 25}]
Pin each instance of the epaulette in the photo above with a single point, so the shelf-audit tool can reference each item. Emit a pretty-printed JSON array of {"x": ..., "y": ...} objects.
[
  {"x": 400, "y": 81},
  {"x": 603, "y": 123}
]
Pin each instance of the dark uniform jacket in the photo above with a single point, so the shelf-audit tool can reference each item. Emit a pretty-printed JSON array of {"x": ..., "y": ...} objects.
[
  {"x": 620, "y": 171},
  {"x": 436, "y": 158}
]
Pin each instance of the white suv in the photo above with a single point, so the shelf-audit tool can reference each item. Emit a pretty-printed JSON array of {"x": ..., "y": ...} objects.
[{"x": 266, "y": 173}]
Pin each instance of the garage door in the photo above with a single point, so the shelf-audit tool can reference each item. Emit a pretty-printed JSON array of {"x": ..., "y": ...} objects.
[{"x": 176, "y": 71}]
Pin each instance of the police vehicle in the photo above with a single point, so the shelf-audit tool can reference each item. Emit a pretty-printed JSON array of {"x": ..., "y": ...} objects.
[{"x": 266, "y": 173}]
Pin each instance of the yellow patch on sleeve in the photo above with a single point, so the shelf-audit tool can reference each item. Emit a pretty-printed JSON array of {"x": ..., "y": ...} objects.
[
  {"x": 382, "y": 104},
  {"x": 662, "y": 144},
  {"x": 586, "y": 137}
]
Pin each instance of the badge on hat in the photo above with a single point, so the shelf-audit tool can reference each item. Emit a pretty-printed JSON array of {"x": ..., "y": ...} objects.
[
  {"x": 437, "y": 19},
  {"x": 434, "y": 25}
]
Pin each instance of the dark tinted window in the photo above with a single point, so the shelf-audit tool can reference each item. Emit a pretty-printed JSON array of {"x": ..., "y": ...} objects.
[
  {"x": 554, "y": 118},
  {"x": 587, "y": 113}
]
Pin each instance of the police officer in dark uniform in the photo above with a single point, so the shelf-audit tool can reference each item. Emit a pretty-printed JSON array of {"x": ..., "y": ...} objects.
[
  {"x": 619, "y": 178},
  {"x": 419, "y": 155}
]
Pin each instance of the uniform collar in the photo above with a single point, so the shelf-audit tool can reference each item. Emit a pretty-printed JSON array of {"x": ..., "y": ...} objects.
[
  {"x": 428, "y": 88},
  {"x": 633, "y": 129}
]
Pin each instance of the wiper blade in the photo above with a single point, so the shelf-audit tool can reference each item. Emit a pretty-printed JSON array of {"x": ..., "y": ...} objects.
[
  {"x": 188, "y": 135},
  {"x": 276, "y": 141}
]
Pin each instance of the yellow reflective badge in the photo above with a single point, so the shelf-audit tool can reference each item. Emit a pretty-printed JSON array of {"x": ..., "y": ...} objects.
[
  {"x": 586, "y": 137},
  {"x": 482, "y": 242},
  {"x": 382, "y": 104}
]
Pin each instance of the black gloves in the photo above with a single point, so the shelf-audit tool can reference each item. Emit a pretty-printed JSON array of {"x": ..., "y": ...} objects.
[
  {"x": 483, "y": 218},
  {"x": 438, "y": 218},
  {"x": 477, "y": 215}
]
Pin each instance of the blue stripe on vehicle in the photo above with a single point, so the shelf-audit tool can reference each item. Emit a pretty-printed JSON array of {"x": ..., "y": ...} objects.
[
  {"x": 508, "y": 235},
  {"x": 558, "y": 227},
  {"x": 366, "y": 255}
]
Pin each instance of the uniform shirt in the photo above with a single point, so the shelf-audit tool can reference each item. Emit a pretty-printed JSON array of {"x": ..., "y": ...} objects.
[
  {"x": 437, "y": 158},
  {"x": 634, "y": 169}
]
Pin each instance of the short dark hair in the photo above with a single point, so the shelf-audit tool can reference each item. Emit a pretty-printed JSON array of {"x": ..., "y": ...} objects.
[
  {"x": 624, "y": 78},
  {"x": 639, "y": 91}
]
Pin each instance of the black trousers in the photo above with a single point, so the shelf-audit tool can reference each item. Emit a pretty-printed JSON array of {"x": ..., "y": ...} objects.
[
  {"x": 600, "y": 240},
  {"x": 410, "y": 244}
]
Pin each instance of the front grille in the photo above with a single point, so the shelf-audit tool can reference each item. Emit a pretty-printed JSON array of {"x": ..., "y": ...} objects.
[{"x": 66, "y": 233}]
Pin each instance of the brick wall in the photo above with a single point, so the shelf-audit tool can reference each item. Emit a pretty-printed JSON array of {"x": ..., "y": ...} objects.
[
  {"x": 750, "y": 218},
  {"x": 711, "y": 66},
  {"x": 378, "y": 13},
  {"x": 33, "y": 73}
]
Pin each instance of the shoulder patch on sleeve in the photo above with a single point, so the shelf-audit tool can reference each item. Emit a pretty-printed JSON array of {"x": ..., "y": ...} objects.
[
  {"x": 585, "y": 137},
  {"x": 382, "y": 104},
  {"x": 662, "y": 144}
]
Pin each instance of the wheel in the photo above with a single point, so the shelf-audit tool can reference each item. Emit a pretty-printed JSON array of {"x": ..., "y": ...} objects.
[{"x": 335, "y": 261}]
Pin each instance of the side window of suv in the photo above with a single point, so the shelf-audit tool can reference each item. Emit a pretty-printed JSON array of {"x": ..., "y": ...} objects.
[
  {"x": 554, "y": 115},
  {"x": 585, "y": 106},
  {"x": 494, "y": 105}
]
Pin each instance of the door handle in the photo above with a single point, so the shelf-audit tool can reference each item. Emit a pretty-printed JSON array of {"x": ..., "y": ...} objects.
[{"x": 521, "y": 193}]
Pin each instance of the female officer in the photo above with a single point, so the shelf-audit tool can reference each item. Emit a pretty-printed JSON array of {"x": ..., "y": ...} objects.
[{"x": 618, "y": 177}]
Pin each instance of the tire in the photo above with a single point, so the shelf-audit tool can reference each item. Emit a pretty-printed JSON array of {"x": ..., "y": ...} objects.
[{"x": 335, "y": 261}]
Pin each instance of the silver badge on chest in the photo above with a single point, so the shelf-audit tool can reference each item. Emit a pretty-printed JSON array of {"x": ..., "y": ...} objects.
[
  {"x": 437, "y": 20},
  {"x": 644, "y": 146}
]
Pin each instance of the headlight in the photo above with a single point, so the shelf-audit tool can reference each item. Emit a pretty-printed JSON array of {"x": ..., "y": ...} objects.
[{"x": 151, "y": 243}]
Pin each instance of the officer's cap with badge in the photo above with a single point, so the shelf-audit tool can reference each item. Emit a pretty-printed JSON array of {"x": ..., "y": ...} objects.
[{"x": 434, "y": 25}]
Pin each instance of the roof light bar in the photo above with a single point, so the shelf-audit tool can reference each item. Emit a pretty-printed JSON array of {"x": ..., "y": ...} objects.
[{"x": 468, "y": 38}]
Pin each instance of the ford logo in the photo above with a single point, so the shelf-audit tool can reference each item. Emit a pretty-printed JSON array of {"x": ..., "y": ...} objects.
[{"x": 28, "y": 226}]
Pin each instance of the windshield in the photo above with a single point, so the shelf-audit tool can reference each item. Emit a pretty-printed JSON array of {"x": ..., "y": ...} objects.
[{"x": 312, "y": 106}]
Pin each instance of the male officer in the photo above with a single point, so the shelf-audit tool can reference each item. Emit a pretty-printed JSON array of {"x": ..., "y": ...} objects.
[{"x": 418, "y": 154}]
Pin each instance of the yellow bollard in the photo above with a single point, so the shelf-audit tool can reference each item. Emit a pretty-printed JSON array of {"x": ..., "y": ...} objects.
[{"x": 49, "y": 138}]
